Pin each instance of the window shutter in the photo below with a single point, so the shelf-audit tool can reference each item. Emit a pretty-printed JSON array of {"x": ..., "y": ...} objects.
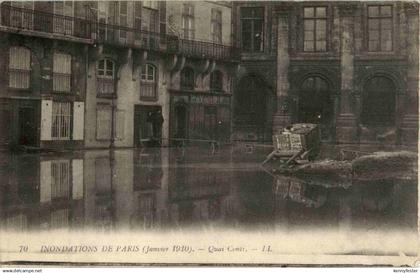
[
  {"x": 119, "y": 124},
  {"x": 46, "y": 118},
  {"x": 103, "y": 123},
  {"x": 162, "y": 13},
  {"x": 78, "y": 120},
  {"x": 77, "y": 175},
  {"x": 45, "y": 181}
]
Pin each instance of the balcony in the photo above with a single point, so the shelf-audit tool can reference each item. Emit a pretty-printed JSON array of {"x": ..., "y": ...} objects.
[
  {"x": 127, "y": 37},
  {"x": 202, "y": 49},
  {"x": 105, "y": 87},
  {"x": 41, "y": 22},
  {"x": 148, "y": 91}
]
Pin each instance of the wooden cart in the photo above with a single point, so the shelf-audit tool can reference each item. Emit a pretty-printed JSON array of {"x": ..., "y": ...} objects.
[{"x": 297, "y": 144}]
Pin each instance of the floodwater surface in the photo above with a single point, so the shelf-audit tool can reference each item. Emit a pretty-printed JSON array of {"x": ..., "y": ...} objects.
[{"x": 175, "y": 189}]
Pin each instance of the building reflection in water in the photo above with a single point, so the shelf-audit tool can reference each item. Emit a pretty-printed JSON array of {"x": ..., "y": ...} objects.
[{"x": 159, "y": 188}]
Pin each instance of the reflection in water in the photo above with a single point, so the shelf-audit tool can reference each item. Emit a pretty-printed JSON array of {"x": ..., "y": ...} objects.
[{"x": 161, "y": 188}]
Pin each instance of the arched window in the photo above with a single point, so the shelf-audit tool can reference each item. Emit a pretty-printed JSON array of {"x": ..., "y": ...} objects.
[
  {"x": 187, "y": 78},
  {"x": 106, "y": 76},
  {"x": 216, "y": 81},
  {"x": 378, "y": 104},
  {"x": 148, "y": 82},
  {"x": 19, "y": 67}
]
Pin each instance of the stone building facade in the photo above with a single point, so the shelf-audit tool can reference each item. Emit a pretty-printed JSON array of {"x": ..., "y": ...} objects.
[
  {"x": 42, "y": 79},
  {"x": 96, "y": 74},
  {"x": 351, "y": 67}
]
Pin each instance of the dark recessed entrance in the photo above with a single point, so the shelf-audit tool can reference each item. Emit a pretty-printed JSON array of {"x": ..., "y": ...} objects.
[
  {"x": 181, "y": 118},
  {"x": 147, "y": 125},
  {"x": 316, "y": 105},
  {"x": 253, "y": 108},
  {"x": 27, "y": 126}
]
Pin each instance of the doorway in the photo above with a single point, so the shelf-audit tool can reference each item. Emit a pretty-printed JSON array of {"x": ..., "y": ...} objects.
[
  {"x": 181, "y": 118},
  {"x": 316, "y": 105},
  {"x": 27, "y": 127},
  {"x": 210, "y": 122},
  {"x": 148, "y": 122}
]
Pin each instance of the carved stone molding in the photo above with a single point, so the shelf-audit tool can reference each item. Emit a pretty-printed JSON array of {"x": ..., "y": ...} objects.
[
  {"x": 411, "y": 8},
  {"x": 347, "y": 9}
]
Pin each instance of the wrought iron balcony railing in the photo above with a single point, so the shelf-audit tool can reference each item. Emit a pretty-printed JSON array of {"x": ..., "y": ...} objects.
[
  {"x": 148, "y": 91},
  {"x": 201, "y": 49},
  {"x": 35, "y": 20},
  {"x": 128, "y": 37}
]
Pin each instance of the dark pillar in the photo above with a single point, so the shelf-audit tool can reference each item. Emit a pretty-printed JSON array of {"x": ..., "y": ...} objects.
[
  {"x": 282, "y": 116},
  {"x": 346, "y": 126}
]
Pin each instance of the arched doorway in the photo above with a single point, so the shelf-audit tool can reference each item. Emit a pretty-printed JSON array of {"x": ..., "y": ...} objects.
[
  {"x": 181, "y": 119},
  {"x": 378, "y": 102},
  {"x": 252, "y": 109},
  {"x": 316, "y": 105}
]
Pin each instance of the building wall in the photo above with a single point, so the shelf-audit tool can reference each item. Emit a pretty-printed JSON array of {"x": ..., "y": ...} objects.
[
  {"x": 202, "y": 18},
  {"x": 346, "y": 66}
]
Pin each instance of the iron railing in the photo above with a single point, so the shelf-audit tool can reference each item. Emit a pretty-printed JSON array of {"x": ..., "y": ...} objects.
[
  {"x": 128, "y": 37},
  {"x": 201, "y": 49},
  {"x": 105, "y": 86},
  {"x": 29, "y": 19},
  {"x": 148, "y": 90}
]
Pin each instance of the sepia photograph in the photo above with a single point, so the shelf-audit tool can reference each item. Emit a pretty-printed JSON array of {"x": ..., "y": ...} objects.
[{"x": 176, "y": 133}]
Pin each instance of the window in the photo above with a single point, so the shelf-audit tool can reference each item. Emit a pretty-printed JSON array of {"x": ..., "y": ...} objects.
[
  {"x": 105, "y": 77},
  {"x": 19, "y": 67},
  {"x": 62, "y": 72},
  {"x": 379, "y": 100},
  {"x": 103, "y": 122},
  {"x": 148, "y": 82},
  {"x": 60, "y": 179},
  {"x": 150, "y": 22},
  {"x": 187, "y": 78},
  {"x": 63, "y": 25},
  {"x": 188, "y": 21},
  {"x": 150, "y": 4},
  {"x": 123, "y": 8},
  {"x": 216, "y": 26},
  {"x": 315, "y": 29},
  {"x": 99, "y": 12},
  {"x": 216, "y": 81},
  {"x": 380, "y": 28},
  {"x": 61, "y": 120},
  {"x": 252, "y": 20},
  {"x": 21, "y": 19},
  {"x": 149, "y": 19},
  {"x": 137, "y": 20}
]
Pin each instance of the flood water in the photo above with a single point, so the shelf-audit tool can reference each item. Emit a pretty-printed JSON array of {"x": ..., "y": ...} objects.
[{"x": 197, "y": 187}]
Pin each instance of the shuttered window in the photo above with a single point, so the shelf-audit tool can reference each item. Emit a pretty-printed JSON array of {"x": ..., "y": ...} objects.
[
  {"x": 63, "y": 25},
  {"x": 61, "y": 120},
  {"x": 103, "y": 122},
  {"x": 62, "y": 72},
  {"x": 188, "y": 21},
  {"x": 216, "y": 26},
  {"x": 123, "y": 18},
  {"x": 19, "y": 67}
]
